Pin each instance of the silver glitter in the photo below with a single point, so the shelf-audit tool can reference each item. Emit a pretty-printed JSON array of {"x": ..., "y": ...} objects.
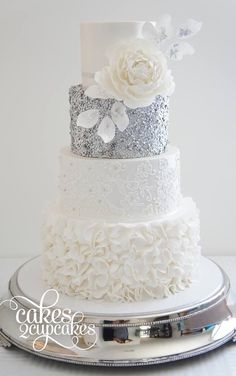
[{"x": 146, "y": 134}]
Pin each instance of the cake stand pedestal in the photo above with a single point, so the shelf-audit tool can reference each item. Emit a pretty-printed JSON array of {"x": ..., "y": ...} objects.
[{"x": 194, "y": 321}]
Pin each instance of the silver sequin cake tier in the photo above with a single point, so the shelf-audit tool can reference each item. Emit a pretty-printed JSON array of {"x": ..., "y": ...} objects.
[{"x": 145, "y": 136}]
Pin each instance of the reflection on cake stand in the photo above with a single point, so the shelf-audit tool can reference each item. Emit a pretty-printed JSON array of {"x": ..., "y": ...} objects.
[{"x": 194, "y": 321}]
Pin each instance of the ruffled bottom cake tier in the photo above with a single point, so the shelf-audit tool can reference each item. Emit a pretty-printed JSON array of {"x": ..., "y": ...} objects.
[{"x": 122, "y": 261}]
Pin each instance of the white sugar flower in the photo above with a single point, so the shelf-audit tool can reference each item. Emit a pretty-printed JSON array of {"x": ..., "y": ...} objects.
[
  {"x": 88, "y": 119},
  {"x": 136, "y": 73},
  {"x": 106, "y": 129},
  {"x": 119, "y": 116}
]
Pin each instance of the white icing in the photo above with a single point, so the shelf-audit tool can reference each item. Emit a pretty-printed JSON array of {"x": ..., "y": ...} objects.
[
  {"x": 120, "y": 189},
  {"x": 121, "y": 261}
]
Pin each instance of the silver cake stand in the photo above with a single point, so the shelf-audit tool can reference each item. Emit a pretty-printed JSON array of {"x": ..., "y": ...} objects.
[{"x": 192, "y": 322}]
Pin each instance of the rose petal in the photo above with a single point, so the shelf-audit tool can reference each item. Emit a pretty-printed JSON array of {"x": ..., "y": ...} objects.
[
  {"x": 96, "y": 91},
  {"x": 135, "y": 75},
  {"x": 142, "y": 102},
  {"x": 104, "y": 81},
  {"x": 150, "y": 32},
  {"x": 88, "y": 119},
  {"x": 169, "y": 84},
  {"x": 106, "y": 129},
  {"x": 119, "y": 116}
]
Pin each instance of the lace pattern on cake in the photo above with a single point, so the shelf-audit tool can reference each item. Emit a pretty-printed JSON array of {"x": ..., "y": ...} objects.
[
  {"x": 120, "y": 189},
  {"x": 146, "y": 135},
  {"x": 121, "y": 261}
]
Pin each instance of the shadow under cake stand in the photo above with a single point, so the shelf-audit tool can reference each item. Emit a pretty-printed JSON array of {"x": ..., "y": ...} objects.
[{"x": 194, "y": 321}]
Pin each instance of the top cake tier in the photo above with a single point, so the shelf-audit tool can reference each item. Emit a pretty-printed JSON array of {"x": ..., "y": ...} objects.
[
  {"x": 111, "y": 115},
  {"x": 121, "y": 110},
  {"x": 97, "y": 38}
]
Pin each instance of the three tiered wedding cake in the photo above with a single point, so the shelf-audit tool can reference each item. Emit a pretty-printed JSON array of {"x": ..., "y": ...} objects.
[{"x": 121, "y": 230}]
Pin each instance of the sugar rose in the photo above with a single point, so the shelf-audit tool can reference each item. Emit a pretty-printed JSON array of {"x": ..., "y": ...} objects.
[{"x": 136, "y": 74}]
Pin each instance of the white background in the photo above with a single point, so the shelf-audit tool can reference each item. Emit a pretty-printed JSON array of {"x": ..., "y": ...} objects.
[{"x": 39, "y": 61}]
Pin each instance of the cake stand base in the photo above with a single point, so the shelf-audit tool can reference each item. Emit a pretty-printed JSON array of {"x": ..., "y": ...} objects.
[{"x": 194, "y": 321}]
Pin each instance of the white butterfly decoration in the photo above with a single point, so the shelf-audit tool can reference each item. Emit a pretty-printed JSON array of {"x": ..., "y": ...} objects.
[
  {"x": 160, "y": 32},
  {"x": 170, "y": 41},
  {"x": 107, "y": 128}
]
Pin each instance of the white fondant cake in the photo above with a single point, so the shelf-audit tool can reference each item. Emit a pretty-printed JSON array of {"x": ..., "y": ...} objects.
[
  {"x": 96, "y": 38},
  {"x": 120, "y": 189},
  {"x": 122, "y": 261},
  {"x": 120, "y": 229}
]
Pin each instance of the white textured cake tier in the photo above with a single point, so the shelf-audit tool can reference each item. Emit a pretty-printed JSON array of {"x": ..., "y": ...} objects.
[
  {"x": 120, "y": 189},
  {"x": 121, "y": 261}
]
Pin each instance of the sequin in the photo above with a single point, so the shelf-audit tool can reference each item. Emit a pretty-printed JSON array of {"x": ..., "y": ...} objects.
[{"x": 146, "y": 134}]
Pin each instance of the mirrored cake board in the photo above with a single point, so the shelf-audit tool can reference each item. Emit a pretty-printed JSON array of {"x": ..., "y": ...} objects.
[{"x": 189, "y": 323}]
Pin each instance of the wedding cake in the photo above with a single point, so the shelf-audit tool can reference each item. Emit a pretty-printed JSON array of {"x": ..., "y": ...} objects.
[{"x": 120, "y": 229}]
